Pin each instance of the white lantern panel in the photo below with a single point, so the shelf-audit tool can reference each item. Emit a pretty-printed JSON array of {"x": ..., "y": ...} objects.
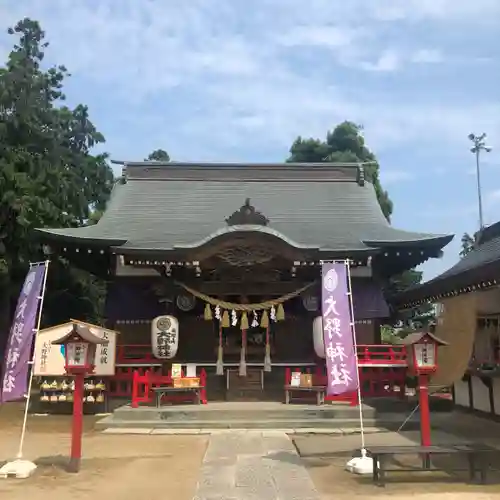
[
  {"x": 165, "y": 337},
  {"x": 319, "y": 345},
  {"x": 424, "y": 355},
  {"x": 77, "y": 353}
]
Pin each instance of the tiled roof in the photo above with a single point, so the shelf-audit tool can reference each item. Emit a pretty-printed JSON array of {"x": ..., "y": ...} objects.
[
  {"x": 322, "y": 206},
  {"x": 478, "y": 265}
]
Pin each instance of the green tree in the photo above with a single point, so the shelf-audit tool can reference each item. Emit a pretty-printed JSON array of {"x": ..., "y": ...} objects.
[
  {"x": 467, "y": 244},
  {"x": 344, "y": 144},
  {"x": 48, "y": 176},
  {"x": 158, "y": 155}
]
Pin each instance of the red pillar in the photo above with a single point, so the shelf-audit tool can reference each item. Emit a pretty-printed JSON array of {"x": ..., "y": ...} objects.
[
  {"x": 425, "y": 417},
  {"x": 77, "y": 425}
]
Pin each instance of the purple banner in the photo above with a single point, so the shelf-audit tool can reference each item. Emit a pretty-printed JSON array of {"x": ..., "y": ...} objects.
[
  {"x": 17, "y": 357},
  {"x": 341, "y": 363}
]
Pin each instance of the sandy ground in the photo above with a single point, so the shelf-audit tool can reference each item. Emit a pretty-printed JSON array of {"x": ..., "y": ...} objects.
[
  {"x": 326, "y": 456},
  {"x": 167, "y": 467},
  {"x": 114, "y": 466}
]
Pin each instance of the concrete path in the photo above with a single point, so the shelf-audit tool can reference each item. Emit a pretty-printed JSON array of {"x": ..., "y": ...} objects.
[{"x": 253, "y": 465}]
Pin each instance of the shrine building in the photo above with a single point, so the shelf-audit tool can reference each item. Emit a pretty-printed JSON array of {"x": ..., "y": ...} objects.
[
  {"x": 233, "y": 252},
  {"x": 467, "y": 301}
]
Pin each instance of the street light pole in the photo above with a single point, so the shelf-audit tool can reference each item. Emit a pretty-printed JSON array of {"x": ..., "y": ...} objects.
[{"x": 479, "y": 145}]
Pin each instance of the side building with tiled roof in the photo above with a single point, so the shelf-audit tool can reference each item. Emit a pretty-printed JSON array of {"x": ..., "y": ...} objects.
[
  {"x": 242, "y": 233},
  {"x": 467, "y": 299}
]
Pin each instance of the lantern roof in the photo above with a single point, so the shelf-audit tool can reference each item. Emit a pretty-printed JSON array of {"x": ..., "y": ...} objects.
[
  {"x": 416, "y": 337},
  {"x": 81, "y": 331}
]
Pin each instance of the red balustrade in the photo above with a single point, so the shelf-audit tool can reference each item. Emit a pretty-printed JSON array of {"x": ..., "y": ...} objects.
[
  {"x": 385, "y": 354},
  {"x": 143, "y": 383},
  {"x": 319, "y": 378},
  {"x": 120, "y": 384},
  {"x": 134, "y": 354},
  {"x": 381, "y": 370}
]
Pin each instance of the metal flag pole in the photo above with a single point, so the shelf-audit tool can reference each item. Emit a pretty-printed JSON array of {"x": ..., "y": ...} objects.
[
  {"x": 32, "y": 362},
  {"x": 364, "y": 463},
  {"x": 355, "y": 346}
]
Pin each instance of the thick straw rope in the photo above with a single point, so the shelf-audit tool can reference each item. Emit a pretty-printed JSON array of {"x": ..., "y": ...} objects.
[
  {"x": 244, "y": 307},
  {"x": 457, "y": 326}
]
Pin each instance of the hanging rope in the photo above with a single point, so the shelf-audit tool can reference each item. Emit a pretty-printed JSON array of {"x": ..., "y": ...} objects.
[{"x": 245, "y": 307}]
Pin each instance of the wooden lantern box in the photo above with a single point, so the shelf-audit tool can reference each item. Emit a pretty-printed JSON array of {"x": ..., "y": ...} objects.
[{"x": 306, "y": 380}]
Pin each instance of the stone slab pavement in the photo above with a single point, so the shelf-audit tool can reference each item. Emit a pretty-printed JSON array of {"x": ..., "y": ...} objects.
[
  {"x": 310, "y": 446},
  {"x": 253, "y": 465}
]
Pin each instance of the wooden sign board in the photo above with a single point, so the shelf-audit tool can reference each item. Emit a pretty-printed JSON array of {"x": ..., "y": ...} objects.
[
  {"x": 295, "y": 379},
  {"x": 49, "y": 359}
]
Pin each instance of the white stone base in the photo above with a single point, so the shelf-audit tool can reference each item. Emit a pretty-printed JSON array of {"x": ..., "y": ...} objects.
[
  {"x": 360, "y": 465},
  {"x": 19, "y": 469}
]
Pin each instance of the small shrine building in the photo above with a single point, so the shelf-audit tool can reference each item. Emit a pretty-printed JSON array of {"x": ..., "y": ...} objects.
[
  {"x": 232, "y": 248},
  {"x": 467, "y": 302}
]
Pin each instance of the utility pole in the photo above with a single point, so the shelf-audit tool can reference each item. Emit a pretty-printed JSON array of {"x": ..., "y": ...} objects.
[{"x": 479, "y": 145}]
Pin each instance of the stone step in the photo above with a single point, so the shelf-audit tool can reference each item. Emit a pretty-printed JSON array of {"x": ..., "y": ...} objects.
[
  {"x": 250, "y": 386},
  {"x": 249, "y": 412},
  {"x": 389, "y": 422}
]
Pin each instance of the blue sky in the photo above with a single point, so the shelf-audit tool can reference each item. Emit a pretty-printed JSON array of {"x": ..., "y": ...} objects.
[{"x": 237, "y": 81}]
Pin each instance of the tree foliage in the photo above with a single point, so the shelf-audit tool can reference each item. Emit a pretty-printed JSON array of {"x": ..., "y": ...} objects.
[
  {"x": 48, "y": 175},
  {"x": 158, "y": 155},
  {"x": 344, "y": 144},
  {"x": 467, "y": 244}
]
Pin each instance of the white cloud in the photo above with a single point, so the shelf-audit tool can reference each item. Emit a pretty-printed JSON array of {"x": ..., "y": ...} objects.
[
  {"x": 448, "y": 10},
  {"x": 236, "y": 61},
  {"x": 323, "y": 36},
  {"x": 427, "y": 56},
  {"x": 387, "y": 61}
]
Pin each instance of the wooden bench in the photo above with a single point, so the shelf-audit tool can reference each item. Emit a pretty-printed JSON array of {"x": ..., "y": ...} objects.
[
  {"x": 319, "y": 390},
  {"x": 476, "y": 457},
  {"x": 168, "y": 389}
]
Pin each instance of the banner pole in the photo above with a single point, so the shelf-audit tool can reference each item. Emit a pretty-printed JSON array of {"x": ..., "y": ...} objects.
[
  {"x": 30, "y": 383},
  {"x": 353, "y": 331}
]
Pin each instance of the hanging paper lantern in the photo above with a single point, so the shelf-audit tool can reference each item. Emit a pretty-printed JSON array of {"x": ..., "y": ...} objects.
[
  {"x": 165, "y": 337},
  {"x": 319, "y": 345}
]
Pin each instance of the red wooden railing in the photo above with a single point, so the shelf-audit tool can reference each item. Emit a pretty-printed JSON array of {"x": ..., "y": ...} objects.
[
  {"x": 381, "y": 369},
  {"x": 383, "y": 354},
  {"x": 120, "y": 384},
  {"x": 134, "y": 353},
  {"x": 319, "y": 378},
  {"x": 374, "y": 382},
  {"x": 143, "y": 383}
]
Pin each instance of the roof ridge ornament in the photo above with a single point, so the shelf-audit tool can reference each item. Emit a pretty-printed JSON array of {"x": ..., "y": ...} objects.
[
  {"x": 361, "y": 174},
  {"x": 247, "y": 214}
]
